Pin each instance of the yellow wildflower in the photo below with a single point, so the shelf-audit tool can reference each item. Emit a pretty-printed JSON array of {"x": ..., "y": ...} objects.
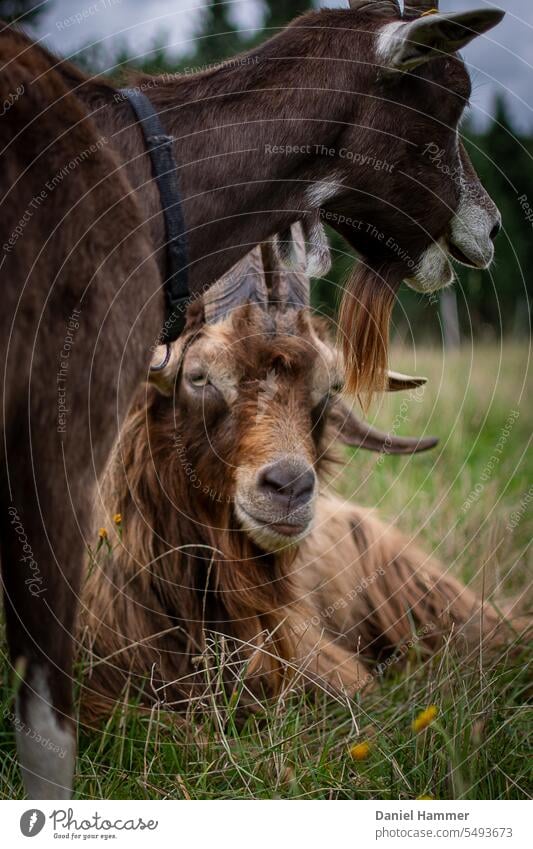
[
  {"x": 117, "y": 518},
  {"x": 360, "y": 751},
  {"x": 102, "y": 533},
  {"x": 425, "y": 718},
  {"x": 425, "y": 799}
]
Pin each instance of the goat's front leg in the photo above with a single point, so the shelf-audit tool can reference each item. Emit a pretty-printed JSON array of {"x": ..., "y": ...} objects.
[
  {"x": 42, "y": 554},
  {"x": 50, "y": 470}
]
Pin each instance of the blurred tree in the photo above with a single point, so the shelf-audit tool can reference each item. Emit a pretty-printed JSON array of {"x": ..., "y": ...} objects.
[
  {"x": 20, "y": 10},
  {"x": 502, "y": 158},
  {"x": 278, "y": 12},
  {"x": 217, "y": 38}
]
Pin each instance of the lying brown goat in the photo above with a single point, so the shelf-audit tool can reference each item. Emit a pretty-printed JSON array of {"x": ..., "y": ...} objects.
[{"x": 226, "y": 532}]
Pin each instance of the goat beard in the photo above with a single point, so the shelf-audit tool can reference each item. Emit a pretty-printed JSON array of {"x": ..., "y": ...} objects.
[
  {"x": 258, "y": 595},
  {"x": 256, "y": 602},
  {"x": 364, "y": 326}
]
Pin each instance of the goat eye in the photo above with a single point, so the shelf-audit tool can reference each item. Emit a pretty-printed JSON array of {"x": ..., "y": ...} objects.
[
  {"x": 198, "y": 379},
  {"x": 330, "y": 395},
  {"x": 336, "y": 388}
]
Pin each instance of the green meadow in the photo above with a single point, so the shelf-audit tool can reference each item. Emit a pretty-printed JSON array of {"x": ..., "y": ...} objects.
[{"x": 469, "y": 501}]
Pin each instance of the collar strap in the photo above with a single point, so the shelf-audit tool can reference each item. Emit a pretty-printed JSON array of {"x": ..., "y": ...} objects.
[{"x": 159, "y": 146}]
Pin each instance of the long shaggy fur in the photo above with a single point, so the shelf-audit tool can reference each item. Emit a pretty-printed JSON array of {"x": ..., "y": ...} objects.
[{"x": 181, "y": 603}]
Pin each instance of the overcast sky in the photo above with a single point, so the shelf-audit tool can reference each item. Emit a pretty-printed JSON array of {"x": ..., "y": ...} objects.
[{"x": 502, "y": 61}]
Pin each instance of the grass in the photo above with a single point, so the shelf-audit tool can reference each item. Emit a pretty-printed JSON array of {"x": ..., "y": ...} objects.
[{"x": 474, "y": 513}]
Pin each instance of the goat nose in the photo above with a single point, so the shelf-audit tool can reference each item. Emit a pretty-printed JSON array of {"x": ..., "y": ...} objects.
[
  {"x": 496, "y": 229},
  {"x": 289, "y": 484}
]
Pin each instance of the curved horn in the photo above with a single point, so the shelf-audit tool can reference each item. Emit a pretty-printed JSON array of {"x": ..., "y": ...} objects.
[
  {"x": 243, "y": 283},
  {"x": 166, "y": 363},
  {"x": 275, "y": 280},
  {"x": 384, "y": 6},
  {"x": 317, "y": 253},
  {"x": 297, "y": 254},
  {"x": 397, "y": 382},
  {"x": 415, "y": 8},
  {"x": 359, "y": 434},
  {"x": 287, "y": 264}
]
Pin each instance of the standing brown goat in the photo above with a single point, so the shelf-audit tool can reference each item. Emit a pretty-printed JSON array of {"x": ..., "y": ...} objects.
[
  {"x": 226, "y": 532},
  {"x": 260, "y": 144}
]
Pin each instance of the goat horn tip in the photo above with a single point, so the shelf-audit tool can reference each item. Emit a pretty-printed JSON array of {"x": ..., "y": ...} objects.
[
  {"x": 428, "y": 442},
  {"x": 399, "y": 381}
]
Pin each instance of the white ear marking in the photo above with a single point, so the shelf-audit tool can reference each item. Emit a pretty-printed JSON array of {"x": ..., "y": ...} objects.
[
  {"x": 431, "y": 36},
  {"x": 387, "y": 41}
]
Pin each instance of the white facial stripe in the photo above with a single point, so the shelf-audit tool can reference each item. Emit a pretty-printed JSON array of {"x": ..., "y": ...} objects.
[
  {"x": 434, "y": 270},
  {"x": 46, "y": 751}
]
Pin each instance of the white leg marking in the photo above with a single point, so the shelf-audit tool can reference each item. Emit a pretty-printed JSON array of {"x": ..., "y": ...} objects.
[{"x": 46, "y": 751}]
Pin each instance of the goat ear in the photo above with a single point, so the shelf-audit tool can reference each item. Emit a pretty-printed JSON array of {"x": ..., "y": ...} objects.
[
  {"x": 431, "y": 36},
  {"x": 353, "y": 431}
]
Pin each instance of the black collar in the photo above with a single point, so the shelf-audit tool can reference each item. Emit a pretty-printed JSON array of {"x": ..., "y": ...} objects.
[{"x": 159, "y": 146}]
